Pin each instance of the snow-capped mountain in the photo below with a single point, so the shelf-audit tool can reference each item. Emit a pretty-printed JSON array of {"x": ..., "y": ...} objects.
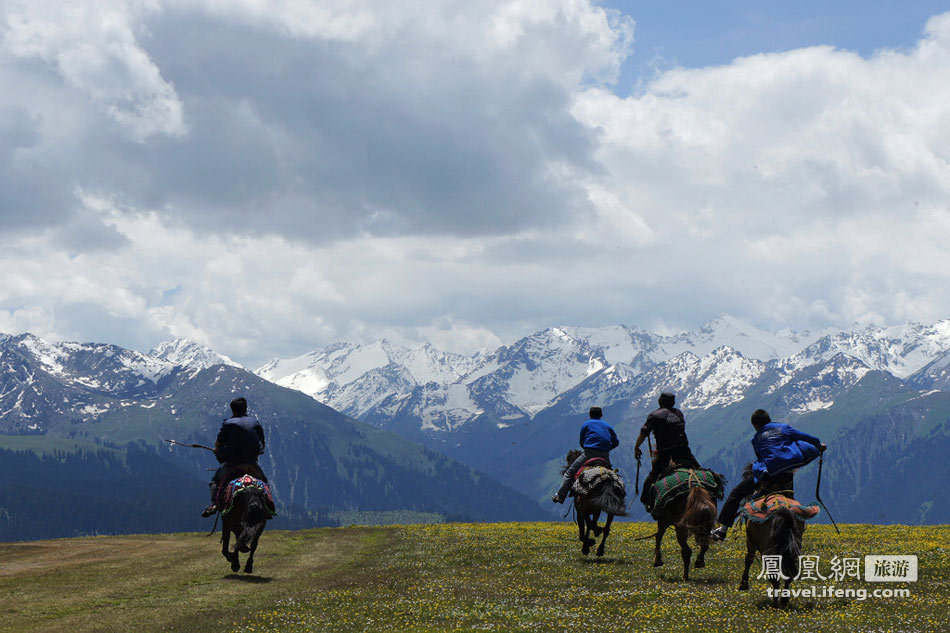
[
  {"x": 187, "y": 353},
  {"x": 83, "y": 381},
  {"x": 713, "y": 366}
]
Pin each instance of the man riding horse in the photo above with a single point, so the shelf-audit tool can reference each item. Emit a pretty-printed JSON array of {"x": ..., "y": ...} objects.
[
  {"x": 597, "y": 440},
  {"x": 779, "y": 451},
  {"x": 239, "y": 443},
  {"x": 668, "y": 426}
]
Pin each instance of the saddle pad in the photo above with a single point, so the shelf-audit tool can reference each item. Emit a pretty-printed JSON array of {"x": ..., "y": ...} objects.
[
  {"x": 680, "y": 481},
  {"x": 761, "y": 508},
  {"x": 242, "y": 484},
  {"x": 594, "y": 476}
]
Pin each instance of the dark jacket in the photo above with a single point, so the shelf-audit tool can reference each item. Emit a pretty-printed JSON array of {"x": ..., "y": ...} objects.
[
  {"x": 598, "y": 435},
  {"x": 240, "y": 439},
  {"x": 779, "y": 448},
  {"x": 668, "y": 427}
]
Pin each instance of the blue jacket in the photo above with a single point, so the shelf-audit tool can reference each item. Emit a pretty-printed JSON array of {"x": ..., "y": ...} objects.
[
  {"x": 779, "y": 447},
  {"x": 598, "y": 435}
]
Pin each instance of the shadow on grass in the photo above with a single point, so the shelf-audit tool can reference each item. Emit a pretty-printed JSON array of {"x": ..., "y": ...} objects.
[
  {"x": 254, "y": 580},
  {"x": 696, "y": 580},
  {"x": 603, "y": 560}
]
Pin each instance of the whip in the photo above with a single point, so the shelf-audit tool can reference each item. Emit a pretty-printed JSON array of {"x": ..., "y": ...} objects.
[
  {"x": 207, "y": 448},
  {"x": 821, "y": 460}
]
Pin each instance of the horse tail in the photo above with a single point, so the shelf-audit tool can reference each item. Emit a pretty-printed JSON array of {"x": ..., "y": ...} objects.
[
  {"x": 611, "y": 498},
  {"x": 253, "y": 519},
  {"x": 785, "y": 540},
  {"x": 700, "y": 513}
]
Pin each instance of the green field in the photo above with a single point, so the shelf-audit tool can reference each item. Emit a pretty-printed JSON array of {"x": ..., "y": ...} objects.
[{"x": 451, "y": 577}]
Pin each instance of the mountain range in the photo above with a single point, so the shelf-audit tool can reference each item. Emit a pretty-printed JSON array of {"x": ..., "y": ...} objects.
[
  {"x": 97, "y": 415},
  {"x": 515, "y": 410},
  {"x": 382, "y": 426}
]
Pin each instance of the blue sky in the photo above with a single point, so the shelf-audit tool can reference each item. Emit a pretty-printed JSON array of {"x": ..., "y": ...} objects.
[
  {"x": 272, "y": 176},
  {"x": 695, "y": 34}
]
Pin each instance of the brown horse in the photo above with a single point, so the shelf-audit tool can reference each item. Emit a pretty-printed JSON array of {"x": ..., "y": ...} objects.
[
  {"x": 693, "y": 513},
  {"x": 246, "y": 520},
  {"x": 608, "y": 498},
  {"x": 780, "y": 535}
]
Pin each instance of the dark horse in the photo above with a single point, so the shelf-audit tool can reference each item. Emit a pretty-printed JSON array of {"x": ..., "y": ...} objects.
[
  {"x": 691, "y": 513},
  {"x": 780, "y": 535},
  {"x": 606, "y": 497},
  {"x": 246, "y": 520}
]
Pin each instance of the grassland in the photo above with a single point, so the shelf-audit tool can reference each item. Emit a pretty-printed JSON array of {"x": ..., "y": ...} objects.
[{"x": 456, "y": 577}]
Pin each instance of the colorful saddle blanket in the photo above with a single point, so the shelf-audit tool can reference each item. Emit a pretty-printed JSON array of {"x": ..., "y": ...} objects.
[
  {"x": 761, "y": 508},
  {"x": 243, "y": 484},
  {"x": 593, "y": 476},
  {"x": 680, "y": 481}
]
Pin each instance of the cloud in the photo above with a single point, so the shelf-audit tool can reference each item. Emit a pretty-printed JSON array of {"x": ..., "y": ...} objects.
[{"x": 271, "y": 177}]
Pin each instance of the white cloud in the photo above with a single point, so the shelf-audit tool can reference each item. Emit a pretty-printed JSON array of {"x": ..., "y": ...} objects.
[
  {"x": 303, "y": 172},
  {"x": 95, "y": 48}
]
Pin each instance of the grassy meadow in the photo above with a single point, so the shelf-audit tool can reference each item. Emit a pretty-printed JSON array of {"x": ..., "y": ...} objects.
[{"x": 449, "y": 577}]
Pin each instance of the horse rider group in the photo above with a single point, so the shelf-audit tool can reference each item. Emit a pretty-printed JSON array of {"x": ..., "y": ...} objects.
[{"x": 779, "y": 451}]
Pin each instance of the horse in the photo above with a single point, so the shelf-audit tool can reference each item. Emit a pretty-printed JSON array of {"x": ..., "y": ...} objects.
[
  {"x": 246, "y": 519},
  {"x": 780, "y": 535},
  {"x": 694, "y": 513},
  {"x": 606, "y": 497}
]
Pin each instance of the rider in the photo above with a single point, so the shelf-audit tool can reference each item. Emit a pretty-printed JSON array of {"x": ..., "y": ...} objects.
[
  {"x": 669, "y": 428},
  {"x": 597, "y": 440},
  {"x": 240, "y": 441},
  {"x": 779, "y": 451}
]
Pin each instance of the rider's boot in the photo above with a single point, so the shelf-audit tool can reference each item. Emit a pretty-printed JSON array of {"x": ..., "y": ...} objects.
[
  {"x": 719, "y": 533},
  {"x": 211, "y": 509}
]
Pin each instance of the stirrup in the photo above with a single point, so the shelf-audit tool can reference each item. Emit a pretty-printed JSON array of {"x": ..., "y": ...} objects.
[{"x": 212, "y": 509}]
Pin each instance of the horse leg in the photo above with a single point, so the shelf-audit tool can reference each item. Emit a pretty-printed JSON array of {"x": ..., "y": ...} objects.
[
  {"x": 225, "y": 541},
  {"x": 703, "y": 548},
  {"x": 784, "y": 601},
  {"x": 657, "y": 556},
  {"x": 586, "y": 538},
  {"x": 775, "y": 586},
  {"x": 249, "y": 564},
  {"x": 606, "y": 533},
  {"x": 235, "y": 558},
  {"x": 594, "y": 527},
  {"x": 749, "y": 559},
  {"x": 681, "y": 535}
]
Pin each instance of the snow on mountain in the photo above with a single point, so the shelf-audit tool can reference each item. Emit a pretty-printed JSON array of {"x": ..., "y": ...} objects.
[
  {"x": 574, "y": 367},
  {"x": 900, "y": 350},
  {"x": 94, "y": 365},
  {"x": 187, "y": 353},
  {"x": 815, "y": 387},
  {"x": 355, "y": 378},
  {"x": 749, "y": 341}
]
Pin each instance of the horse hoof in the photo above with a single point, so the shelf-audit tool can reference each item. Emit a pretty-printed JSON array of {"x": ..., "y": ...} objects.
[
  {"x": 657, "y": 563},
  {"x": 600, "y": 552},
  {"x": 744, "y": 586},
  {"x": 235, "y": 565},
  {"x": 248, "y": 569},
  {"x": 699, "y": 564},
  {"x": 585, "y": 551}
]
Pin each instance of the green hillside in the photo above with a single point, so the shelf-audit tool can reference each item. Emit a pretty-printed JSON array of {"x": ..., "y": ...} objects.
[{"x": 503, "y": 577}]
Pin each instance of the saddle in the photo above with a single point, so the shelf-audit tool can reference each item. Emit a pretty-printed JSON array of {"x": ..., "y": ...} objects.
[
  {"x": 593, "y": 462},
  {"x": 760, "y": 508},
  {"x": 243, "y": 484}
]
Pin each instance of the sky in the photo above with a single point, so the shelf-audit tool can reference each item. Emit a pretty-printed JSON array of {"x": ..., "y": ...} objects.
[{"x": 268, "y": 177}]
